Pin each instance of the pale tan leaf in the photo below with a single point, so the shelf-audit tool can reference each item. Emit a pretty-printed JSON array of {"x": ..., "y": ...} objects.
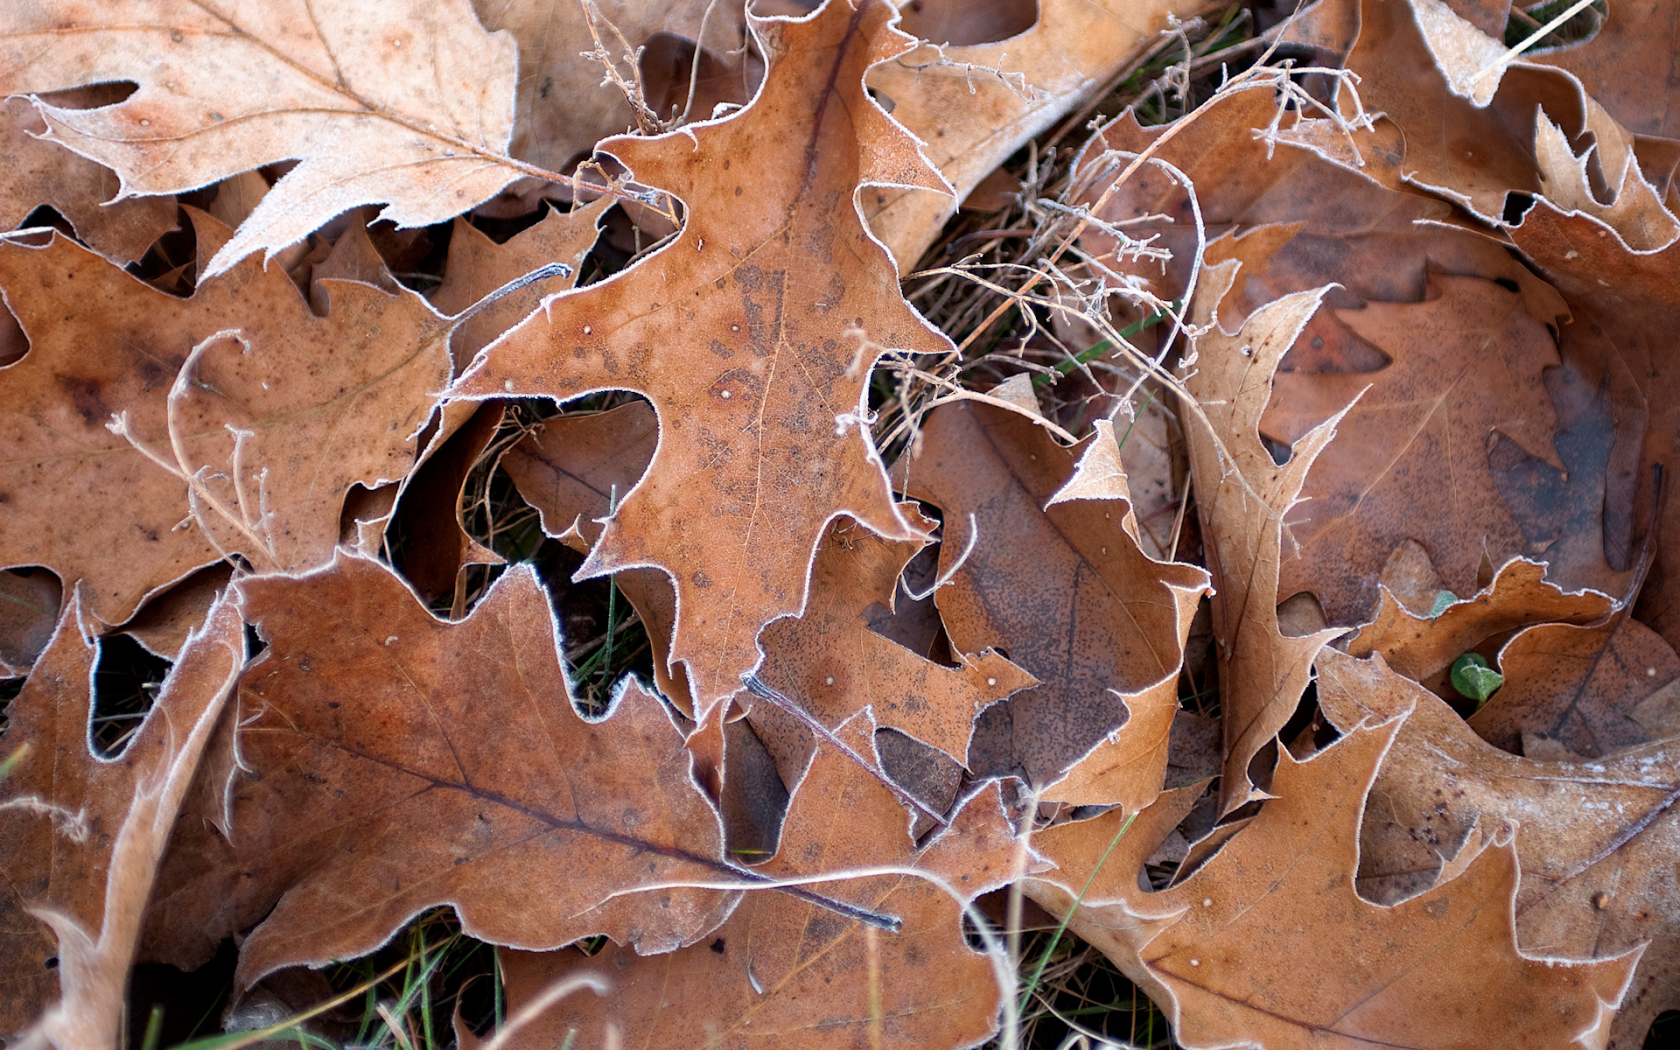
[
  {"x": 81, "y": 836},
  {"x": 1242, "y": 496},
  {"x": 405, "y": 103}
]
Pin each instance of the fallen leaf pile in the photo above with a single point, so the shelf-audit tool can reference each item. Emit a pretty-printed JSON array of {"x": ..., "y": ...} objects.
[{"x": 736, "y": 510}]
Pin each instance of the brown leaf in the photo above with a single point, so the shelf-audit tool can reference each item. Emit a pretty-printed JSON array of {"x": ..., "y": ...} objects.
[
  {"x": 780, "y": 973},
  {"x": 1462, "y": 148},
  {"x": 401, "y": 763},
  {"x": 1423, "y": 647},
  {"x": 285, "y": 435},
  {"x": 318, "y": 403},
  {"x": 478, "y": 266},
  {"x": 1634, "y": 208},
  {"x": 1056, "y": 580},
  {"x": 1375, "y": 242},
  {"x": 164, "y": 623},
  {"x": 958, "y": 24},
  {"x": 29, "y": 607},
  {"x": 81, "y": 836},
  {"x": 767, "y": 311},
  {"x": 1579, "y": 686},
  {"x": 1269, "y": 944},
  {"x": 1597, "y": 841},
  {"x": 1416, "y": 456},
  {"x": 404, "y": 103},
  {"x": 1242, "y": 497},
  {"x": 830, "y": 663},
  {"x": 1379, "y": 242},
  {"x": 1624, "y": 337},
  {"x": 428, "y": 507},
  {"x": 975, "y": 105},
  {"x": 38, "y": 172},
  {"x": 1625, "y": 65}
]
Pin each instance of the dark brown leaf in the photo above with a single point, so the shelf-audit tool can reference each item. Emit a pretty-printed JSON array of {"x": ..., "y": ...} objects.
[{"x": 1056, "y": 580}]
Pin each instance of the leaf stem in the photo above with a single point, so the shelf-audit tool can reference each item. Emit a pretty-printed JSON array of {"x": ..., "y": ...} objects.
[{"x": 757, "y": 687}]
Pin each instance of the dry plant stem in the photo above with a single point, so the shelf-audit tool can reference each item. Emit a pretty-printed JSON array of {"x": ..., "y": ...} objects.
[
  {"x": 1533, "y": 38},
  {"x": 541, "y": 273},
  {"x": 694, "y": 67},
  {"x": 996, "y": 952},
  {"x": 1067, "y": 241},
  {"x": 393, "y": 1026},
  {"x": 949, "y": 574},
  {"x": 182, "y": 468},
  {"x": 758, "y": 688},
  {"x": 646, "y": 119},
  {"x": 1017, "y": 872},
  {"x": 550, "y": 995},
  {"x": 1248, "y": 80},
  {"x": 1079, "y": 116}
]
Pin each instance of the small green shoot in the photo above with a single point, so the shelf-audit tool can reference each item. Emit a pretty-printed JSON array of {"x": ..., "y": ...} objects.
[
  {"x": 288, "y": 1029},
  {"x": 1087, "y": 356},
  {"x": 11, "y": 761},
  {"x": 154, "y": 1029},
  {"x": 612, "y": 598},
  {"x": 1061, "y": 927},
  {"x": 1474, "y": 679},
  {"x": 1443, "y": 601}
]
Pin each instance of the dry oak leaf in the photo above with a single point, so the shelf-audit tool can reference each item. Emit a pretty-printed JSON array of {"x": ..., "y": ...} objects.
[
  {"x": 81, "y": 836},
  {"x": 405, "y": 103},
  {"x": 1242, "y": 497},
  {"x": 428, "y": 507},
  {"x": 1475, "y": 129},
  {"x": 780, "y": 973},
  {"x": 1582, "y": 687},
  {"x": 1268, "y": 944},
  {"x": 1633, "y": 207},
  {"x": 277, "y": 411},
  {"x": 975, "y": 105},
  {"x": 1379, "y": 245},
  {"x": 1469, "y": 150},
  {"x": 572, "y": 469},
  {"x": 478, "y": 266},
  {"x": 1628, "y": 328},
  {"x": 399, "y": 763},
  {"x": 424, "y": 507},
  {"x": 29, "y": 607},
  {"x": 427, "y": 513},
  {"x": 38, "y": 172},
  {"x": 832, "y": 665},
  {"x": 164, "y": 623},
  {"x": 1597, "y": 840},
  {"x": 1415, "y": 458},
  {"x": 753, "y": 333},
  {"x": 1578, "y": 667},
  {"x": 1057, "y": 581}
]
